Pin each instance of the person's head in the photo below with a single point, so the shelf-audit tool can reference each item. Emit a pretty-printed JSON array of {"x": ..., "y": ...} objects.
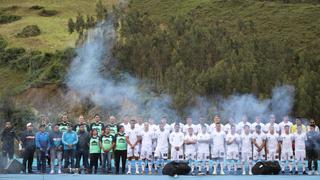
[
  {"x": 112, "y": 119},
  {"x": 8, "y": 125},
  {"x": 56, "y": 128},
  {"x": 233, "y": 129},
  {"x": 272, "y": 118},
  {"x": 286, "y": 118},
  {"x": 298, "y": 121},
  {"x": 231, "y": 120},
  {"x": 140, "y": 120},
  {"x": 96, "y": 118},
  {"x": 312, "y": 128},
  {"x": 271, "y": 129},
  {"x": 42, "y": 127},
  {"x": 146, "y": 126},
  {"x": 81, "y": 128},
  {"x": 29, "y": 127},
  {"x": 126, "y": 119},
  {"x": 258, "y": 119},
  {"x": 299, "y": 129},
  {"x": 312, "y": 122},
  {"x": 190, "y": 131},
  {"x": 161, "y": 127},
  {"x": 244, "y": 119},
  {"x": 204, "y": 129},
  {"x": 176, "y": 127},
  {"x": 107, "y": 130},
  {"x": 218, "y": 127},
  {"x": 246, "y": 129},
  {"x": 94, "y": 132},
  {"x": 121, "y": 129},
  {"x": 69, "y": 127},
  {"x": 217, "y": 119},
  {"x": 81, "y": 119},
  {"x": 258, "y": 129},
  {"x": 163, "y": 120},
  {"x": 189, "y": 120},
  {"x": 202, "y": 120},
  {"x": 286, "y": 129},
  {"x": 132, "y": 123},
  {"x": 151, "y": 121},
  {"x": 64, "y": 118}
]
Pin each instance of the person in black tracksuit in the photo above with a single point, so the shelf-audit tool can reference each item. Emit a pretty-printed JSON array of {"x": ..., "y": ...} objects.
[
  {"x": 312, "y": 144},
  {"x": 28, "y": 146},
  {"x": 7, "y": 137},
  {"x": 82, "y": 148}
]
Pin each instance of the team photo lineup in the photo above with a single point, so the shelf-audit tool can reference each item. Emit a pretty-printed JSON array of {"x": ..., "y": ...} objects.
[{"x": 135, "y": 146}]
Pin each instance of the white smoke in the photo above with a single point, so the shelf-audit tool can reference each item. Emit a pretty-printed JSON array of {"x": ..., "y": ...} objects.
[{"x": 86, "y": 78}]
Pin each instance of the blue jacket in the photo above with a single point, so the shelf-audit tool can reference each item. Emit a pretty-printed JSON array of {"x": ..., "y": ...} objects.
[
  {"x": 69, "y": 138},
  {"x": 42, "y": 140}
]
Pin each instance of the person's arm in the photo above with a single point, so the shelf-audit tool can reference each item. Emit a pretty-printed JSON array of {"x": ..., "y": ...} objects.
[
  {"x": 23, "y": 139},
  {"x": 128, "y": 141},
  {"x": 48, "y": 141},
  {"x": 75, "y": 139},
  {"x": 113, "y": 144},
  {"x": 64, "y": 139},
  {"x": 37, "y": 141}
]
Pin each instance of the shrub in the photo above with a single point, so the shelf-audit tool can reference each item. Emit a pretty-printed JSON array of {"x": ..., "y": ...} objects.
[
  {"x": 5, "y": 19},
  {"x": 48, "y": 13},
  {"x": 36, "y": 7},
  {"x": 29, "y": 31}
]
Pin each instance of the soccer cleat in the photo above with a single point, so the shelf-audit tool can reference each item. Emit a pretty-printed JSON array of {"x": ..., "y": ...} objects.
[
  {"x": 222, "y": 172},
  {"x": 282, "y": 172},
  {"x": 150, "y": 173},
  {"x": 128, "y": 172},
  {"x": 304, "y": 173},
  {"x": 52, "y": 171},
  {"x": 243, "y": 173},
  {"x": 207, "y": 173},
  {"x": 192, "y": 173},
  {"x": 316, "y": 173},
  {"x": 137, "y": 172},
  {"x": 250, "y": 173},
  {"x": 310, "y": 173},
  {"x": 214, "y": 173},
  {"x": 296, "y": 173},
  {"x": 59, "y": 171},
  {"x": 290, "y": 172}
]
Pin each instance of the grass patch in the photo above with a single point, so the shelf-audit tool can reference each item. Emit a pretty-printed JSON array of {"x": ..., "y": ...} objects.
[
  {"x": 36, "y": 7},
  {"x": 29, "y": 31},
  {"x": 48, "y": 13},
  {"x": 5, "y": 19}
]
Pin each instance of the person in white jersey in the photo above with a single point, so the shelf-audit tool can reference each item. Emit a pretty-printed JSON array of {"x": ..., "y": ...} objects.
[
  {"x": 286, "y": 149},
  {"x": 176, "y": 140},
  {"x": 161, "y": 152},
  {"x": 272, "y": 122},
  {"x": 259, "y": 142},
  {"x": 232, "y": 142},
  {"x": 218, "y": 149},
  {"x": 188, "y": 125},
  {"x": 272, "y": 145},
  {"x": 285, "y": 121},
  {"x": 216, "y": 120},
  {"x": 244, "y": 121},
  {"x": 227, "y": 127},
  {"x": 258, "y": 121},
  {"x": 190, "y": 153},
  {"x": 133, "y": 140},
  {"x": 300, "y": 139},
  {"x": 203, "y": 154},
  {"x": 146, "y": 149},
  {"x": 246, "y": 149}
]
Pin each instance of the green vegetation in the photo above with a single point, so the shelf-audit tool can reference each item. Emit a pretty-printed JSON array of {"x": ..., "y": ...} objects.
[
  {"x": 4, "y": 19},
  {"x": 217, "y": 47},
  {"x": 29, "y": 31}
]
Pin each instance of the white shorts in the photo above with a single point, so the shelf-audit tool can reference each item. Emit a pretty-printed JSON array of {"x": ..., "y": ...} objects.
[
  {"x": 133, "y": 152},
  {"x": 233, "y": 155},
  {"x": 203, "y": 156},
  {"x": 161, "y": 153},
  {"x": 300, "y": 155},
  {"x": 259, "y": 155},
  {"x": 146, "y": 154},
  {"x": 246, "y": 156},
  {"x": 217, "y": 153},
  {"x": 176, "y": 155},
  {"x": 273, "y": 156},
  {"x": 190, "y": 155},
  {"x": 286, "y": 156}
]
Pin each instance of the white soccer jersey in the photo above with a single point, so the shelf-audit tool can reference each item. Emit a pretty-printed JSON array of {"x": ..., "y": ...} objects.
[
  {"x": 202, "y": 146},
  {"x": 168, "y": 128},
  {"x": 162, "y": 140},
  {"x": 235, "y": 140},
  {"x": 241, "y": 125},
  {"x": 133, "y": 134},
  {"x": 198, "y": 126},
  {"x": 259, "y": 138},
  {"x": 253, "y": 126},
  {"x": 286, "y": 140},
  {"x": 227, "y": 128},
  {"x": 176, "y": 139},
  {"x": 187, "y": 126},
  {"x": 212, "y": 128},
  {"x": 126, "y": 126},
  {"x": 190, "y": 148},
  {"x": 146, "y": 142},
  {"x": 139, "y": 127},
  {"x": 275, "y": 125},
  {"x": 246, "y": 143},
  {"x": 272, "y": 141},
  {"x": 300, "y": 140},
  {"x": 283, "y": 124}
]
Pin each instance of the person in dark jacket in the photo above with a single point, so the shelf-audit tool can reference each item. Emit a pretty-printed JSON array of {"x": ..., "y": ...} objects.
[
  {"x": 82, "y": 148},
  {"x": 43, "y": 145},
  {"x": 311, "y": 150},
  {"x": 7, "y": 137},
  {"x": 81, "y": 122},
  {"x": 56, "y": 148},
  {"x": 69, "y": 141},
  {"x": 28, "y": 147}
]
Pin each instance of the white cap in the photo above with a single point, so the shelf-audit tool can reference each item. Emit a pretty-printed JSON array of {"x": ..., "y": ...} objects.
[{"x": 29, "y": 124}]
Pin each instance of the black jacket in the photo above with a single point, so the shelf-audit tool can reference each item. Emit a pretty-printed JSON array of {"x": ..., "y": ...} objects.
[
  {"x": 83, "y": 141},
  {"x": 7, "y": 138},
  {"x": 28, "y": 140}
]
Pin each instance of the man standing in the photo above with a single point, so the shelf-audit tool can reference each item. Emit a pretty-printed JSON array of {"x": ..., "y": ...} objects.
[
  {"x": 107, "y": 144},
  {"x": 246, "y": 149},
  {"x": 69, "y": 140},
  {"x": 146, "y": 148},
  {"x": 28, "y": 146},
  {"x": 82, "y": 148},
  {"x": 56, "y": 148},
  {"x": 218, "y": 148},
  {"x": 232, "y": 141},
  {"x": 286, "y": 140},
  {"x": 259, "y": 142},
  {"x": 81, "y": 122},
  {"x": 43, "y": 145},
  {"x": 311, "y": 149},
  {"x": 97, "y": 124},
  {"x": 176, "y": 140},
  {"x": 272, "y": 145},
  {"x": 7, "y": 137},
  {"x": 63, "y": 125},
  {"x": 120, "y": 150},
  {"x": 285, "y": 122},
  {"x": 161, "y": 152},
  {"x": 300, "y": 150},
  {"x": 133, "y": 140},
  {"x": 113, "y": 127},
  {"x": 190, "y": 141},
  {"x": 203, "y": 153}
]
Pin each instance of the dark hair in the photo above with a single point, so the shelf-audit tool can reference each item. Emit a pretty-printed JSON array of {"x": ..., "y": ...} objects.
[
  {"x": 312, "y": 125},
  {"x": 95, "y": 115},
  {"x": 42, "y": 126},
  {"x": 119, "y": 127}
]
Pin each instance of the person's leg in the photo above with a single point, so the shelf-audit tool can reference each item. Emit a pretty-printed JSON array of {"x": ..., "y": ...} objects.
[
  {"x": 24, "y": 161},
  {"x": 52, "y": 158},
  {"x": 43, "y": 161},
  {"x": 104, "y": 159},
  {"x": 117, "y": 160},
  {"x": 78, "y": 158},
  {"x": 109, "y": 156},
  {"x": 38, "y": 160},
  {"x": 123, "y": 160},
  {"x": 30, "y": 161},
  {"x": 85, "y": 158},
  {"x": 59, "y": 157},
  {"x": 72, "y": 156},
  {"x": 66, "y": 158}
]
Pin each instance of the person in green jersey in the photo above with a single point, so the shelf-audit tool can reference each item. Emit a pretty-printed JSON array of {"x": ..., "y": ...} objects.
[
  {"x": 95, "y": 151},
  {"x": 63, "y": 125},
  {"x": 120, "y": 150},
  {"x": 113, "y": 125},
  {"x": 107, "y": 144},
  {"x": 81, "y": 121},
  {"x": 97, "y": 124}
]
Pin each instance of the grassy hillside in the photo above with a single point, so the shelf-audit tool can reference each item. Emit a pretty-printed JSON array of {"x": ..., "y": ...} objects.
[
  {"x": 273, "y": 19},
  {"x": 54, "y": 32}
]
